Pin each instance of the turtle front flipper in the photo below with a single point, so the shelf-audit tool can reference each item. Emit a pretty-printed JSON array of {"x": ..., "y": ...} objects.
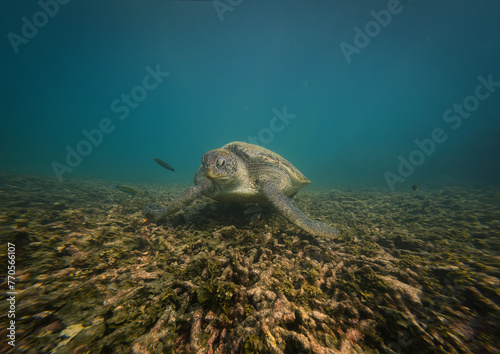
[
  {"x": 290, "y": 211},
  {"x": 154, "y": 212}
]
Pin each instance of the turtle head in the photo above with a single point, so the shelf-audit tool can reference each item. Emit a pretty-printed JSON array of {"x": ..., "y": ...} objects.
[{"x": 220, "y": 165}]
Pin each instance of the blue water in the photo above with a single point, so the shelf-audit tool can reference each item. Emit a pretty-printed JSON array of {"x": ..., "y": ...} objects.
[{"x": 349, "y": 117}]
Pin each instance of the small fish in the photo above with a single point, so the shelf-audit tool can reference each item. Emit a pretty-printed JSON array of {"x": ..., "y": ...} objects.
[
  {"x": 164, "y": 164},
  {"x": 128, "y": 190},
  {"x": 254, "y": 220},
  {"x": 414, "y": 187},
  {"x": 252, "y": 210}
]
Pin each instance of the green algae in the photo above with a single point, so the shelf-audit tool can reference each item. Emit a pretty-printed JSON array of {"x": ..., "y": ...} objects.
[
  {"x": 206, "y": 278},
  {"x": 215, "y": 293}
]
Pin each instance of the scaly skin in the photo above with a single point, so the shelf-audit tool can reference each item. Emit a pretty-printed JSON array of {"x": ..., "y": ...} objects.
[
  {"x": 154, "y": 213},
  {"x": 203, "y": 186},
  {"x": 290, "y": 211}
]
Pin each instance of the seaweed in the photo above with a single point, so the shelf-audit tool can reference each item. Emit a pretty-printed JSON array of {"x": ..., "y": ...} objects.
[{"x": 409, "y": 273}]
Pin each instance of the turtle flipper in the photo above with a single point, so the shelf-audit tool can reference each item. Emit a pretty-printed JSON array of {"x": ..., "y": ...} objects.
[
  {"x": 290, "y": 211},
  {"x": 154, "y": 213}
]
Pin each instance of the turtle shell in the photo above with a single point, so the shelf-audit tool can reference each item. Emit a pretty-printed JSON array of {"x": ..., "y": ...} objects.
[{"x": 262, "y": 159}]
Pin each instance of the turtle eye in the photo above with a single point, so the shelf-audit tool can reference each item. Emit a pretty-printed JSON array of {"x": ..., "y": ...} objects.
[{"x": 221, "y": 162}]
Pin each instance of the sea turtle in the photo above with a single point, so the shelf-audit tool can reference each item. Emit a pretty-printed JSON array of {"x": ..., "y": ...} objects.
[{"x": 246, "y": 173}]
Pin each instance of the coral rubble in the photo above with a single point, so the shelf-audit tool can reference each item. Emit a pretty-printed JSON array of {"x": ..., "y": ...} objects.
[{"x": 410, "y": 273}]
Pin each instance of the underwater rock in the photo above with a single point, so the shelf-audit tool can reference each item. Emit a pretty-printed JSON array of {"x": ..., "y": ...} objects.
[{"x": 412, "y": 293}]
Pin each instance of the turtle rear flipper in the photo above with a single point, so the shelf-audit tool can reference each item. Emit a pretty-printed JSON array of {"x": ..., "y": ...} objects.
[
  {"x": 154, "y": 213},
  {"x": 290, "y": 211}
]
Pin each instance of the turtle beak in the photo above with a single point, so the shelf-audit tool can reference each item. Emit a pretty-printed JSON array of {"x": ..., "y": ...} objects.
[
  {"x": 209, "y": 172},
  {"x": 212, "y": 173}
]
